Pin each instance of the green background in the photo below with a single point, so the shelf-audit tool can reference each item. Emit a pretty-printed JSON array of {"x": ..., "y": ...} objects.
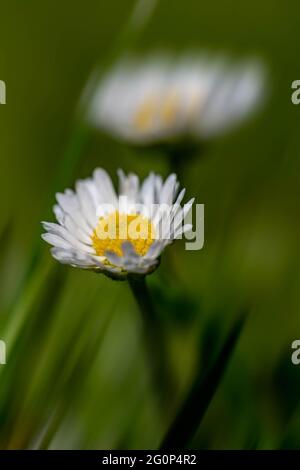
[{"x": 76, "y": 374}]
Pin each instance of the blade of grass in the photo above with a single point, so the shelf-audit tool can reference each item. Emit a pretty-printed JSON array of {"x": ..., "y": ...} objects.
[
  {"x": 78, "y": 367},
  {"x": 34, "y": 289},
  {"x": 5, "y": 244},
  {"x": 23, "y": 353},
  {"x": 201, "y": 394}
]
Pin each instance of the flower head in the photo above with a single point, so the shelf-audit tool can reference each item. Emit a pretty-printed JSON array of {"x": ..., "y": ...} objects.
[
  {"x": 117, "y": 234},
  {"x": 162, "y": 100}
]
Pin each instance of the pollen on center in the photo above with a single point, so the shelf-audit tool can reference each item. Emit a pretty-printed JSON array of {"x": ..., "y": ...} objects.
[{"x": 116, "y": 228}]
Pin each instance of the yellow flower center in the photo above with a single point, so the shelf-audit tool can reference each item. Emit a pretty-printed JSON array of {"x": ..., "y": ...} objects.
[
  {"x": 169, "y": 108},
  {"x": 144, "y": 117},
  {"x": 116, "y": 228},
  {"x": 164, "y": 110}
]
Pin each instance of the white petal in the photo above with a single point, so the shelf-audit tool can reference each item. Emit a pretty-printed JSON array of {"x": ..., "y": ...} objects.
[
  {"x": 72, "y": 257},
  {"x": 168, "y": 191},
  {"x": 182, "y": 230},
  {"x": 86, "y": 203},
  {"x": 76, "y": 230},
  {"x": 70, "y": 205},
  {"x": 66, "y": 235},
  {"x": 154, "y": 250},
  {"x": 129, "y": 252},
  {"x": 105, "y": 186},
  {"x": 148, "y": 190},
  {"x": 184, "y": 213},
  {"x": 114, "y": 259},
  {"x": 180, "y": 196},
  {"x": 56, "y": 241},
  {"x": 158, "y": 188},
  {"x": 59, "y": 214},
  {"x": 129, "y": 186}
]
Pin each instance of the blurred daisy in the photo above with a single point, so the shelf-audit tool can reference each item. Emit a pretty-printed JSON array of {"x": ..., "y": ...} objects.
[
  {"x": 117, "y": 233},
  {"x": 161, "y": 100}
]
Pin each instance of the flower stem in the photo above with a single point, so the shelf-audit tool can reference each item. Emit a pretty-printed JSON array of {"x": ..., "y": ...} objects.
[
  {"x": 179, "y": 156},
  {"x": 154, "y": 340}
]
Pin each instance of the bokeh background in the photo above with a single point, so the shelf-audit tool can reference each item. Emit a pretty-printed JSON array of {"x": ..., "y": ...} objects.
[{"x": 77, "y": 376}]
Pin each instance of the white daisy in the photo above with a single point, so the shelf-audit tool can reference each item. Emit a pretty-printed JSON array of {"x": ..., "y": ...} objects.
[
  {"x": 162, "y": 100},
  {"x": 117, "y": 233}
]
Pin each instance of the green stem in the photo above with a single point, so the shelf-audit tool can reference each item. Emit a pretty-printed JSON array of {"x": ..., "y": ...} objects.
[
  {"x": 201, "y": 394},
  {"x": 180, "y": 157},
  {"x": 154, "y": 340}
]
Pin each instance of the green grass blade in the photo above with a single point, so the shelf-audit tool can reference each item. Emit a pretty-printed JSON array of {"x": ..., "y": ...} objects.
[{"x": 201, "y": 394}]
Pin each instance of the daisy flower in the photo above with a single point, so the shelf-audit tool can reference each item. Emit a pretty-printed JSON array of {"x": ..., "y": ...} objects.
[
  {"x": 117, "y": 233},
  {"x": 161, "y": 100}
]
